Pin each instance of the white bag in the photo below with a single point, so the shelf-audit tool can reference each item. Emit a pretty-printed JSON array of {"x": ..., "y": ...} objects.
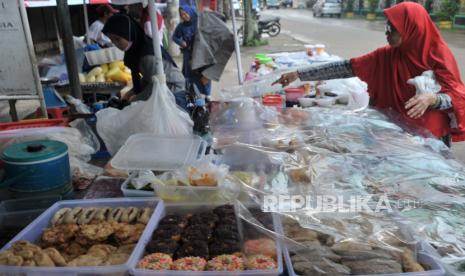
[
  {"x": 425, "y": 83},
  {"x": 158, "y": 115},
  {"x": 351, "y": 91}
]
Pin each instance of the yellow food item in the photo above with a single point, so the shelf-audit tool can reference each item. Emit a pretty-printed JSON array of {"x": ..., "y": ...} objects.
[
  {"x": 116, "y": 74},
  {"x": 127, "y": 70},
  {"x": 94, "y": 72},
  {"x": 117, "y": 64},
  {"x": 105, "y": 68},
  {"x": 90, "y": 78},
  {"x": 82, "y": 78},
  {"x": 100, "y": 78}
]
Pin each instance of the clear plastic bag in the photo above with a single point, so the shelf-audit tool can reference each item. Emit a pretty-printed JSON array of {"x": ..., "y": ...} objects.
[
  {"x": 352, "y": 92},
  {"x": 425, "y": 83},
  {"x": 158, "y": 115}
]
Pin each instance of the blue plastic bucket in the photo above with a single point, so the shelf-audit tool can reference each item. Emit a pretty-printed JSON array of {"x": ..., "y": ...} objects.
[{"x": 36, "y": 166}]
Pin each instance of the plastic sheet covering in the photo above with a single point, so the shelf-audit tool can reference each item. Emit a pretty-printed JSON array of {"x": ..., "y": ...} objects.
[
  {"x": 404, "y": 184},
  {"x": 339, "y": 243}
]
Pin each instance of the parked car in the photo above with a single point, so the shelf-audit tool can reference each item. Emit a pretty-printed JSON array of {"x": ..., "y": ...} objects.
[
  {"x": 286, "y": 3},
  {"x": 270, "y": 4},
  {"x": 327, "y": 7}
]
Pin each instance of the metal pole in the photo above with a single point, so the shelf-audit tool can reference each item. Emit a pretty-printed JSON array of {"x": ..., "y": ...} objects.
[
  {"x": 68, "y": 45},
  {"x": 236, "y": 45},
  {"x": 156, "y": 41},
  {"x": 86, "y": 21}
]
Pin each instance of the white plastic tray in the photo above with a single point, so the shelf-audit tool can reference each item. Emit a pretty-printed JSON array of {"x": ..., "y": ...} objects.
[
  {"x": 103, "y": 56},
  {"x": 189, "y": 208},
  {"x": 33, "y": 233},
  {"x": 133, "y": 192},
  {"x": 149, "y": 152}
]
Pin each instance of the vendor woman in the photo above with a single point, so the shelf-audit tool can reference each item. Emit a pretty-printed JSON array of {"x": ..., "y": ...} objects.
[
  {"x": 129, "y": 37},
  {"x": 415, "y": 46}
]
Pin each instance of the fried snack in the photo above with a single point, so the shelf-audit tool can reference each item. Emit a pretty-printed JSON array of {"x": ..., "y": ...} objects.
[
  {"x": 347, "y": 246},
  {"x": 266, "y": 247},
  {"x": 59, "y": 234},
  {"x": 72, "y": 216},
  {"x": 22, "y": 245},
  {"x": 116, "y": 214},
  {"x": 87, "y": 260},
  {"x": 260, "y": 262},
  {"x": 126, "y": 249},
  {"x": 72, "y": 250},
  {"x": 102, "y": 214},
  {"x": 408, "y": 262},
  {"x": 59, "y": 216},
  {"x": 8, "y": 258},
  {"x": 299, "y": 175},
  {"x": 201, "y": 179},
  {"x": 144, "y": 215},
  {"x": 29, "y": 263},
  {"x": 127, "y": 233},
  {"x": 226, "y": 263},
  {"x": 190, "y": 264},
  {"x": 117, "y": 259},
  {"x": 56, "y": 257},
  {"x": 43, "y": 259},
  {"x": 86, "y": 216},
  {"x": 129, "y": 215},
  {"x": 101, "y": 250},
  {"x": 156, "y": 261},
  {"x": 91, "y": 234}
]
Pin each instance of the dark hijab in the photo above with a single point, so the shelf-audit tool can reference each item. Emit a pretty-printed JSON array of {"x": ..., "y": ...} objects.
[{"x": 126, "y": 27}]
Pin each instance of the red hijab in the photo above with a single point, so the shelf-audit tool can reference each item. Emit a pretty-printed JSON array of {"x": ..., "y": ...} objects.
[{"x": 387, "y": 69}]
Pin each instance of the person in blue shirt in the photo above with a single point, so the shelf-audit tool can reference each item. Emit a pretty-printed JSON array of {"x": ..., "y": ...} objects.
[{"x": 184, "y": 36}]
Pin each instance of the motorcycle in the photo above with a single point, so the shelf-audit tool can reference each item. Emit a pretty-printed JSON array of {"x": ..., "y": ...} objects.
[{"x": 268, "y": 25}]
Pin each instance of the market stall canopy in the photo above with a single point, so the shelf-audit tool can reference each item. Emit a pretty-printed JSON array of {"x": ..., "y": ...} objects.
[{"x": 51, "y": 3}]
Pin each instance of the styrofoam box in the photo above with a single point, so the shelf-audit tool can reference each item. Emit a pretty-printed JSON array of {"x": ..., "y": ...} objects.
[
  {"x": 34, "y": 231},
  {"x": 184, "y": 208},
  {"x": 103, "y": 56},
  {"x": 423, "y": 257}
]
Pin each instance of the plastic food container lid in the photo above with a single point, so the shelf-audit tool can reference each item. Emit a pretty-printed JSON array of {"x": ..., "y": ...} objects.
[
  {"x": 39, "y": 150},
  {"x": 149, "y": 152}
]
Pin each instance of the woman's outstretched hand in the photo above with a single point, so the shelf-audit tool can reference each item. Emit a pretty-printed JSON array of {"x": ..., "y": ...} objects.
[
  {"x": 287, "y": 78},
  {"x": 418, "y": 105}
]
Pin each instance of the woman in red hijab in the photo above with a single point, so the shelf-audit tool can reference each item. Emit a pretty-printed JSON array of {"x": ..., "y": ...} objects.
[{"x": 415, "y": 46}]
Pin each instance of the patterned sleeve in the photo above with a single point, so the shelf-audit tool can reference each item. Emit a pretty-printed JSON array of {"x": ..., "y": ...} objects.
[
  {"x": 328, "y": 71},
  {"x": 444, "y": 102}
]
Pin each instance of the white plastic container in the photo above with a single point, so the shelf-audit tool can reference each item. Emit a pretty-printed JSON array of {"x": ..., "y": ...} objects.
[
  {"x": 423, "y": 257},
  {"x": 34, "y": 231},
  {"x": 149, "y": 152},
  {"x": 306, "y": 102},
  {"x": 320, "y": 49},
  {"x": 310, "y": 49},
  {"x": 177, "y": 193},
  {"x": 436, "y": 269},
  {"x": 103, "y": 56},
  {"x": 190, "y": 208},
  {"x": 127, "y": 192}
]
